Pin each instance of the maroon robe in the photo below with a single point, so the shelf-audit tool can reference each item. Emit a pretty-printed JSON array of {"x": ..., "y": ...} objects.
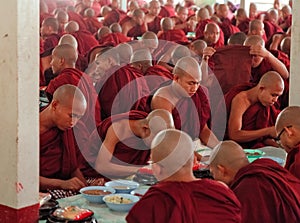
[
  {"x": 50, "y": 42},
  {"x": 174, "y": 35},
  {"x": 228, "y": 29},
  {"x": 131, "y": 150},
  {"x": 255, "y": 117},
  {"x": 86, "y": 41},
  {"x": 154, "y": 26},
  {"x": 119, "y": 89},
  {"x": 271, "y": 28},
  {"x": 156, "y": 75},
  {"x": 57, "y": 154},
  {"x": 292, "y": 163},
  {"x": 113, "y": 39},
  {"x": 287, "y": 21},
  {"x": 73, "y": 16},
  {"x": 135, "y": 31},
  {"x": 167, "y": 11},
  {"x": 244, "y": 26},
  {"x": 92, "y": 24},
  {"x": 267, "y": 192},
  {"x": 75, "y": 77},
  {"x": 113, "y": 16},
  {"x": 203, "y": 201}
]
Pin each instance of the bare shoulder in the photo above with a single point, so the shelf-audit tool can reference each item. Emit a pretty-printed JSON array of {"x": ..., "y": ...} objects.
[
  {"x": 240, "y": 101},
  {"x": 120, "y": 130},
  {"x": 162, "y": 99}
]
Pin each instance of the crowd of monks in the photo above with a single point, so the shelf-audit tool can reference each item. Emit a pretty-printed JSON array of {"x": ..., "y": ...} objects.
[{"x": 126, "y": 89}]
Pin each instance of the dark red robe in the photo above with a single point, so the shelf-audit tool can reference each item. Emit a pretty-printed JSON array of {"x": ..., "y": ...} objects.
[
  {"x": 228, "y": 29},
  {"x": 174, "y": 35},
  {"x": 204, "y": 201},
  {"x": 131, "y": 150},
  {"x": 292, "y": 163},
  {"x": 113, "y": 39},
  {"x": 167, "y": 11},
  {"x": 75, "y": 77},
  {"x": 135, "y": 31},
  {"x": 86, "y": 41},
  {"x": 271, "y": 28},
  {"x": 50, "y": 42},
  {"x": 267, "y": 192},
  {"x": 255, "y": 117},
  {"x": 113, "y": 16},
  {"x": 244, "y": 26},
  {"x": 119, "y": 89},
  {"x": 156, "y": 75},
  {"x": 92, "y": 24},
  {"x": 58, "y": 154},
  {"x": 73, "y": 16},
  {"x": 154, "y": 26}
]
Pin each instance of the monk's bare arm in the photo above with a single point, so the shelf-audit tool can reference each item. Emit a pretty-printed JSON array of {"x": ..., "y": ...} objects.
[
  {"x": 159, "y": 102},
  {"x": 238, "y": 108},
  {"x": 125, "y": 28},
  {"x": 208, "y": 138},
  {"x": 77, "y": 173},
  {"x": 103, "y": 163},
  {"x": 71, "y": 184}
]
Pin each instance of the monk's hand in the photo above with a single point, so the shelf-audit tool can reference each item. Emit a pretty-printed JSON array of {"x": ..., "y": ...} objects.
[
  {"x": 272, "y": 132},
  {"x": 207, "y": 53},
  {"x": 73, "y": 184},
  {"x": 259, "y": 50}
]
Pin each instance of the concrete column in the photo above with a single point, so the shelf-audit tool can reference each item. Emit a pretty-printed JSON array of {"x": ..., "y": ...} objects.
[
  {"x": 295, "y": 57},
  {"x": 19, "y": 133}
]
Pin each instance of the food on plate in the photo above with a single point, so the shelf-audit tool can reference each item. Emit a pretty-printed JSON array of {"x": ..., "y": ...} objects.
[
  {"x": 118, "y": 200},
  {"x": 96, "y": 192},
  {"x": 72, "y": 213}
]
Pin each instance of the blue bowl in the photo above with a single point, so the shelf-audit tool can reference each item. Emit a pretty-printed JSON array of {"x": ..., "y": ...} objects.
[
  {"x": 115, "y": 201},
  {"x": 95, "y": 194},
  {"x": 122, "y": 186}
]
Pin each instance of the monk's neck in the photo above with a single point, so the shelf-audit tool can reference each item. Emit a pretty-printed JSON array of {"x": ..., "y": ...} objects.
[
  {"x": 177, "y": 91},
  {"x": 46, "y": 122},
  {"x": 183, "y": 175},
  {"x": 252, "y": 95}
]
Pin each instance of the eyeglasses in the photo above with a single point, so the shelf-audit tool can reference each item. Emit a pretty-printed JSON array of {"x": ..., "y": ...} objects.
[{"x": 277, "y": 139}]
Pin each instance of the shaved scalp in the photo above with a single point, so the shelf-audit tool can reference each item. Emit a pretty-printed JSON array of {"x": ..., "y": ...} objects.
[
  {"x": 89, "y": 12},
  {"x": 179, "y": 52},
  {"x": 68, "y": 93},
  {"x": 104, "y": 10},
  {"x": 160, "y": 119},
  {"x": 115, "y": 28},
  {"x": 255, "y": 24},
  {"x": 103, "y": 31},
  {"x": 68, "y": 39},
  {"x": 150, "y": 40},
  {"x": 209, "y": 27},
  {"x": 72, "y": 27},
  {"x": 241, "y": 12},
  {"x": 228, "y": 154},
  {"x": 52, "y": 22},
  {"x": 254, "y": 40},
  {"x": 285, "y": 45},
  {"x": 271, "y": 78},
  {"x": 61, "y": 16},
  {"x": 237, "y": 38},
  {"x": 138, "y": 13},
  {"x": 140, "y": 55},
  {"x": 203, "y": 14},
  {"x": 166, "y": 24},
  {"x": 187, "y": 66},
  {"x": 125, "y": 51},
  {"x": 67, "y": 52},
  {"x": 288, "y": 116},
  {"x": 108, "y": 52},
  {"x": 172, "y": 149},
  {"x": 199, "y": 44}
]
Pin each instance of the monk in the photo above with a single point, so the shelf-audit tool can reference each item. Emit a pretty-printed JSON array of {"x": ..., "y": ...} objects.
[
  {"x": 63, "y": 65},
  {"x": 58, "y": 154},
  {"x": 73, "y": 16},
  {"x": 85, "y": 39},
  {"x": 120, "y": 144},
  {"x": 91, "y": 21},
  {"x": 287, "y": 129},
  {"x": 62, "y": 18},
  {"x": 125, "y": 51},
  {"x": 286, "y": 22},
  {"x": 151, "y": 18},
  {"x": 49, "y": 33},
  {"x": 267, "y": 191},
  {"x": 252, "y": 11},
  {"x": 179, "y": 196},
  {"x": 167, "y": 10},
  {"x": 181, "y": 20},
  {"x": 242, "y": 21},
  {"x": 107, "y": 37},
  {"x": 212, "y": 34},
  {"x": 256, "y": 27},
  {"x": 237, "y": 39},
  {"x": 183, "y": 96},
  {"x": 134, "y": 26},
  {"x": 121, "y": 87},
  {"x": 270, "y": 23},
  {"x": 285, "y": 45},
  {"x": 198, "y": 46},
  {"x": 251, "y": 111},
  {"x": 115, "y": 15}
]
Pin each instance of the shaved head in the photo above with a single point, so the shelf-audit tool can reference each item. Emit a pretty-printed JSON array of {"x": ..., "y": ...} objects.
[
  {"x": 160, "y": 119},
  {"x": 103, "y": 31},
  {"x": 254, "y": 40},
  {"x": 202, "y": 14},
  {"x": 125, "y": 52},
  {"x": 255, "y": 25},
  {"x": 138, "y": 13},
  {"x": 150, "y": 40},
  {"x": 52, "y": 22},
  {"x": 116, "y": 28},
  {"x": 180, "y": 52},
  {"x": 67, "y": 52},
  {"x": 173, "y": 151},
  {"x": 198, "y": 46},
  {"x": 62, "y": 16},
  {"x": 288, "y": 116},
  {"x": 188, "y": 66},
  {"x": 89, "y": 12},
  {"x": 166, "y": 24},
  {"x": 71, "y": 27},
  {"x": 285, "y": 45},
  {"x": 140, "y": 55},
  {"x": 68, "y": 39},
  {"x": 237, "y": 38},
  {"x": 270, "y": 79},
  {"x": 104, "y": 10}
]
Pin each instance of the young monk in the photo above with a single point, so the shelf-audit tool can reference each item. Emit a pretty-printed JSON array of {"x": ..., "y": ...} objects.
[
  {"x": 251, "y": 111},
  {"x": 152, "y": 19},
  {"x": 179, "y": 196},
  {"x": 287, "y": 129},
  {"x": 256, "y": 27},
  {"x": 49, "y": 33},
  {"x": 58, "y": 154},
  {"x": 267, "y": 191},
  {"x": 121, "y": 143}
]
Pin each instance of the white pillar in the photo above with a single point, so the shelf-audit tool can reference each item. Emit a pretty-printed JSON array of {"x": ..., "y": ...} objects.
[
  {"x": 295, "y": 57},
  {"x": 19, "y": 133}
]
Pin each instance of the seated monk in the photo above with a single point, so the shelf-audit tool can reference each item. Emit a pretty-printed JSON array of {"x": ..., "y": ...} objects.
[
  {"x": 120, "y": 87},
  {"x": 251, "y": 111},
  {"x": 256, "y": 28},
  {"x": 287, "y": 129},
  {"x": 156, "y": 75},
  {"x": 285, "y": 45},
  {"x": 63, "y": 65},
  {"x": 270, "y": 23},
  {"x": 212, "y": 34},
  {"x": 91, "y": 21},
  {"x": 49, "y": 33},
  {"x": 58, "y": 151},
  {"x": 237, "y": 39},
  {"x": 113, "y": 16},
  {"x": 168, "y": 32},
  {"x": 242, "y": 21},
  {"x": 125, "y": 51},
  {"x": 73, "y": 16},
  {"x": 267, "y": 191},
  {"x": 179, "y": 195},
  {"x": 183, "y": 96},
  {"x": 62, "y": 18},
  {"x": 134, "y": 26},
  {"x": 121, "y": 143},
  {"x": 151, "y": 18},
  {"x": 198, "y": 47},
  {"x": 181, "y": 20},
  {"x": 286, "y": 22},
  {"x": 85, "y": 39},
  {"x": 167, "y": 10}
]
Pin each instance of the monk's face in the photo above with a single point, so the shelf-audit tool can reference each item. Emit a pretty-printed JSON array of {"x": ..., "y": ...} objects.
[
  {"x": 256, "y": 60},
  {"x": 269, "y": 95},
  {"x": 212, "y": 35},
  {"x": 66, "y": 116},
  {"x": 139, "y": 19},
  {"x": 189, "y": 83},
  {"x": 154, "y": 9},
  {"x": 183, "y": 14},
  {"x": 56, "y": 63},
  {"x": 222, "y": 11}
]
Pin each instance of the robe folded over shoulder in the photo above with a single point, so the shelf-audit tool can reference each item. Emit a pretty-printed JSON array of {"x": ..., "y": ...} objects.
[
  {"x": 121, "y": 88},
  {"x": 113, "y": 39},
  {"x": 92, "y": 24},
  {"x": 271, "y": 28},
  {"x": 50, "y": 42},
  {"x": 113, "y": 16},
  {"x": 174, "y": 35},
  {"x": 244, "y": 26},
  {"x": 73, "y": 16},
  {"x": 135, "y": 31},
  {"x": 267, "y": 192},
  {"x": 167, "y": 11},
  {"x": 156, "y": 75},
  {"x": 131, "y": 150},
  {"x": 255, "y": 117},
  {"x": 228, "y": 29},
  {"x": 58, "y": 154},
  {"x": 287, "y": 21},
  {"x": 204, "y": 201},
  {"x": 75, "y": 77},
  {"x": 154, "y": 26},
  {"x": 86, "y": 41},
  {"x": 292, "y": 163}
]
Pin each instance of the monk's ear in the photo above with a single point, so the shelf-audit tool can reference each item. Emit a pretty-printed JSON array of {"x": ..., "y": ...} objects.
[
  {"x": 54, "y": 105},
  {"x": 175, "y": 77},
  {"x": 221, "y": 169}
]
